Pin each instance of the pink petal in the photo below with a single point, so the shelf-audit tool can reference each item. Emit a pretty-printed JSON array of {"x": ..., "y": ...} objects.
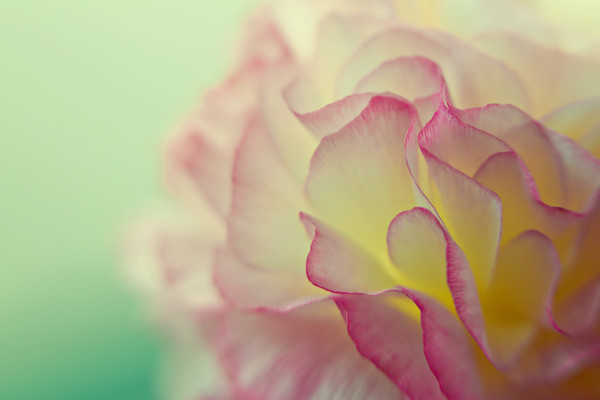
[
  {"x": 578, "y": 297},
  {"x": 294, "y": 144},
  {"x": 264, "y": 229},
  {"x": 448, "y": 350},
  {"x": 472, "y": 78},
  {"x": 246, "y": 286},
  {"x": 530, "y": 140},
  {"x": 341, "y": 265},
  {"x": 581, "y": 172},
  {"x": 359, "y": 180},
  {"x": 436, "y": 266},
  {"x": 572, "y": 78},
  {"x": 199, "y": 158},
  {"x": 301, "y": 354},
  {"x": 392, "y": 340},
  {"x": 427, "y": 360},
  {"x": 522, "y": 210},
  {"x": 417, "y": 246},
  {"x": 456, "y": 143},
  {"x": 333, "y": 116},
  {"x": 410, "y": 77},
  {"x": 414, "y": 78},
  {"x": 339, "y": 36},
  {"x": 471, "y": 213},
  {"x": 195, "y": 165}
]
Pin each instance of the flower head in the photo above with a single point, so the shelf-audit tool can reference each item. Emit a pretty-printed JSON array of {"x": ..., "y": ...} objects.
[{"x": 391, "y": 199}]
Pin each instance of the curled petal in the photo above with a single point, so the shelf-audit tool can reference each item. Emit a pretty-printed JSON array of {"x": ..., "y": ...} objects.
[
  {"x": 522, "y": 210},
  {"x": 470, "y": 212},
  {"x": 427, "y": 360},
  {"x": 530, "y": 140},
  {"x": 452, "y": 141},
  {"x": 339, "y": 264},
  {"x": 358, "y": 179}
]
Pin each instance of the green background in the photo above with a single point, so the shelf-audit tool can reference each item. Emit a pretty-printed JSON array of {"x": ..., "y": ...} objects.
[{"x": 88, "y": 91}]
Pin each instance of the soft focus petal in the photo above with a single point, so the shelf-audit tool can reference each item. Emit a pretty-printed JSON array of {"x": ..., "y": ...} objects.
[
  {"x": 264, "y": 229},
  {"x": 473, "y": 79},
  {"x": 552, "y": 78},
  {"x": 242, "y": 285},
  {"x": 303, "y": 354}
]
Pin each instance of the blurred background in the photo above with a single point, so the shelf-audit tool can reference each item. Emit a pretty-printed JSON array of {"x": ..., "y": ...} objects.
[{"x": 88, "y": 92}]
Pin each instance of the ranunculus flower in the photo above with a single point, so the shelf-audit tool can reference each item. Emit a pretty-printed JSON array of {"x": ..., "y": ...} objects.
[{"x": 388, "y": 199}]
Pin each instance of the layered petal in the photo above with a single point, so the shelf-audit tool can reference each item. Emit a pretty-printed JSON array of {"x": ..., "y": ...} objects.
[
  {"x": 552, "y": 78},
  {"x": 505, "y": 174},
  {"x": 339, "y": 264},
  {"x": 358, "y": 180},
  {"x": 264, "y": 229},
  {"x": 530, "y": 140},
  {"x": 431, "y": 359},
  {"x": 305, "y": 353},
  {"x": 243, "y": 285},
  {"x": 473, "y": 79},
  {"x": 470, "y": 212},
  {"x": 520, "y": 295}
]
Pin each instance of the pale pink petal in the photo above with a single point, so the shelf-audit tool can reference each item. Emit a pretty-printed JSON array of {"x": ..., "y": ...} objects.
[
  {"x": 575, "y": 120},
  {"x": 199, "y": 156},
  {"x": 505, "y": 174},
  {"x": 359, "y": 180},
  {"x": 339, "y": 36},
  {"x": 299, "y": 21},
  {"x": 552, "y": 78},
  {"x": 456, "y": 143},
  {"x": 529, "y": 139},
  {"x": 247, "y": 286},
  {"x": 470, "y": 212},
  {"x": 170, "y": 261},
  {"x": 264, "y": 229},
  {"x": 293, "y": 142},
  {"x": 302, "y": 354},
  {"x": 578, "y": 297},
  {"x": 414, "y": 78},
  {"x": 581, "y": 172},
  {"x": 197, "y": 167},
  {"x": 410, "y": 77},
  {"x": 333, "y": 116},
  {"x": 472, "y": 78},
  {"x": 554, "y": 360},
  {"x": 341, "y": 265}
]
